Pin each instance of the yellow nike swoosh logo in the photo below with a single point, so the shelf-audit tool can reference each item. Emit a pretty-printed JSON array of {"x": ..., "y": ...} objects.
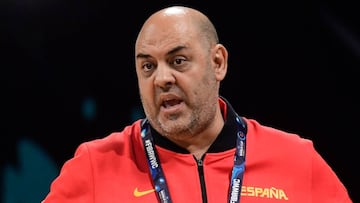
[{"x": 138, "y": 193}]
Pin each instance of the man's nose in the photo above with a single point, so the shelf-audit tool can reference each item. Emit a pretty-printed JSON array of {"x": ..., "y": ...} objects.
[{"x": 164, "y": 76}]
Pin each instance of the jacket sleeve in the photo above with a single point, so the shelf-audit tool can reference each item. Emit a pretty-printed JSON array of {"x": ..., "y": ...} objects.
[
  {"x": 326, "y": 185},
  {"x": 75, "y": 181}
]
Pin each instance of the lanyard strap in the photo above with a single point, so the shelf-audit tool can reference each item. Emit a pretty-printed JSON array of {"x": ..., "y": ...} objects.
[
  {"x": 158, "y": 176},
  {"x": 156, "y": 171},
  {"x": 239, "y": 163}
]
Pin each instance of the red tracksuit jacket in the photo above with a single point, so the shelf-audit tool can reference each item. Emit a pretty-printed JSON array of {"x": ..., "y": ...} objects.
[{"x": 280, "y": 167}]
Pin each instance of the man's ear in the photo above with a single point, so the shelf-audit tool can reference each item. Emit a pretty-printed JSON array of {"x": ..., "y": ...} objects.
[{"x": 221, "y": 61}]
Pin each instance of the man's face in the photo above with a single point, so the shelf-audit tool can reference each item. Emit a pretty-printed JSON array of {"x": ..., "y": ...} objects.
[{"x": 176, "y": 78}]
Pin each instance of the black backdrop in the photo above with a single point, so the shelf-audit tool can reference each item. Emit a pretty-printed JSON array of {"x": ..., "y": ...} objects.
[{"x": 293, "y": 65}]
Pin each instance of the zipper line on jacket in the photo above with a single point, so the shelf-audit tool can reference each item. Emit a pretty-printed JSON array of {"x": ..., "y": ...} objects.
[{"x": 158, "y": 176}]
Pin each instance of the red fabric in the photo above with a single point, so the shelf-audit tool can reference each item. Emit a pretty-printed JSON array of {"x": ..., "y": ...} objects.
[{"x": 280, "y": 167}]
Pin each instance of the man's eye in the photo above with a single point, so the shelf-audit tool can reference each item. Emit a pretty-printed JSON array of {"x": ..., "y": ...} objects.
[
  {"x": 178, "y": 61},
  {"x": 148, "y": 67}
]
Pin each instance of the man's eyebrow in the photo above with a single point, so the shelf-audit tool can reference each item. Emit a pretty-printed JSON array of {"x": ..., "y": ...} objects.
[
  {"x": 176, "y": 49},
  {"x": 172, "y": 51},
  {"x": 140, "y": 55}
]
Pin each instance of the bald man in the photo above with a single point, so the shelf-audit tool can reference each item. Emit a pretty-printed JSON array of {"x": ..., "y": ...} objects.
[{"x": 192, "y": 146}]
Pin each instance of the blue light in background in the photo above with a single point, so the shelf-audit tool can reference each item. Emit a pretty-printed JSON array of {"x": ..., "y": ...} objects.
[
  {"x": 136, "y": 113},
  {"x": 88, "y": 109},
  {"x": 30, "y": 180}
]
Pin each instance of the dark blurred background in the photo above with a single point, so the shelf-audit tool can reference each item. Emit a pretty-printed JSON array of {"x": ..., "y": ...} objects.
[{"x": 67, "y": 69}]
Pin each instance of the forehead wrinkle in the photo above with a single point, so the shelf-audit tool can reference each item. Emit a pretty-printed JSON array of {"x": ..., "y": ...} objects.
[
  {"x": 168, "y": 53},
  {"x": 164, "y": 35},
  {"x": 176, "y": 49},
  {"x": 164, "y": 40}
]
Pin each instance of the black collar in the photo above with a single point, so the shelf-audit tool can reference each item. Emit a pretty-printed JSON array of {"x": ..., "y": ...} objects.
[{"x": 226, "y": 139}]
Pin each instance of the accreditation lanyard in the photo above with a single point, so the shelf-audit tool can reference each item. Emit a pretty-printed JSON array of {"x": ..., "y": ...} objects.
[{"x": 158, "y": 176}]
